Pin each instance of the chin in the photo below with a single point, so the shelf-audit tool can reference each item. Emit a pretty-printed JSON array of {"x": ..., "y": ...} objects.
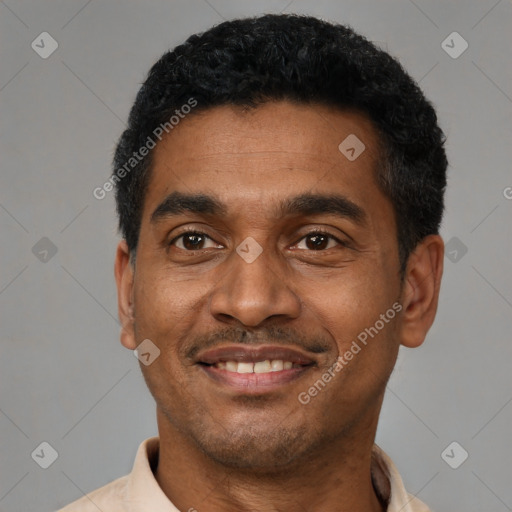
[{"x": 267, "y": 450}]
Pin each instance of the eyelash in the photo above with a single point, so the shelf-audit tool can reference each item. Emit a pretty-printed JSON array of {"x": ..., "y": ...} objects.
[{"x": 311, "y": 233}]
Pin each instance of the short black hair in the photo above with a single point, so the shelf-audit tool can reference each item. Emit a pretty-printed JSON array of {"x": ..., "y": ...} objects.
[{"x": 302, "y": 59}]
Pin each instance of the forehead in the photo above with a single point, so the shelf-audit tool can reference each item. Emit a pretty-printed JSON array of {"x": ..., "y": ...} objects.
[{"x": 272, "y": 151}]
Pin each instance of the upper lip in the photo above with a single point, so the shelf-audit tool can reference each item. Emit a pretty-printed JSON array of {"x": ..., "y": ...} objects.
[{"x": 253, "y": 354}]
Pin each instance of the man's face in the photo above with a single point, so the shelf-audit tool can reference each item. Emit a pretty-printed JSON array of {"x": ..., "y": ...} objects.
[{"x": 213, "y": 310}]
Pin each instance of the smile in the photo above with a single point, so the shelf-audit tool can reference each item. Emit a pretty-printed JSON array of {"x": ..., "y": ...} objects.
[
  {"x": 246, "y": 369},
  {"x": 266, "y": 366}
]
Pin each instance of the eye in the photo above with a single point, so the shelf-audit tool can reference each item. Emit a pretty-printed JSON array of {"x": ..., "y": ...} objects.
[
  {"x": 192, "y": 241},
  {"x": 319, "y": 241}
]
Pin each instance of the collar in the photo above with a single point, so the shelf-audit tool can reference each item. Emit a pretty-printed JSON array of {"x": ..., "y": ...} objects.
[{"x": 145, "y": 495}]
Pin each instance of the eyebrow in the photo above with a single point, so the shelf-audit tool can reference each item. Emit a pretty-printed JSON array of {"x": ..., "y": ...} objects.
[{"x": 178, "y": 203}]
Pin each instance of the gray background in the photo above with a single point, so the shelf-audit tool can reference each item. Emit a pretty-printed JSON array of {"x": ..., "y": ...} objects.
[{"x": 65, "y": 378}]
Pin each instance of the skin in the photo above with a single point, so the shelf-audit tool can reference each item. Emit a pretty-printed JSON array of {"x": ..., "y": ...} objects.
[{"x": 226, "y": 451}]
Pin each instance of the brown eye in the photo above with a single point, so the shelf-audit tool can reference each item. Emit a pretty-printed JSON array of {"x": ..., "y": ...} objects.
[
  {"x": 191, "y": 241},
  {"x": 319, "y": 241}
]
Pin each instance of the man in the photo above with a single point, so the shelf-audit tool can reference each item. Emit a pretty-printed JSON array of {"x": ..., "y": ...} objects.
[{"x": 280, "y": 190}]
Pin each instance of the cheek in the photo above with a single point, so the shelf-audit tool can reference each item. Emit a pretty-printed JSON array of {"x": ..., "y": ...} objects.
[
  {"x": 365, "y": 348},
  {"x": 348, "y": 308},
  {"x": 348, "y": 299},
  {"x": 166, "y": 313},
  {"x": 163, "y": 302}
]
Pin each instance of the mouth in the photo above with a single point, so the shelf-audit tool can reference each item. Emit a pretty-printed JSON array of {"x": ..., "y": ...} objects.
[{"x": 254, "y": 370}]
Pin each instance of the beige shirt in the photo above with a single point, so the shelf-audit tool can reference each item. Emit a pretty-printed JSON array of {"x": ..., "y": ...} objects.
[{"x": 139, "y": 491}]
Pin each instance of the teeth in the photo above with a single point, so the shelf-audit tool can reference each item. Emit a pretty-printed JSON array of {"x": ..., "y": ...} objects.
[
  {"x": 266, "y": 366},
  {"x": 231, "y": 366},
  {"x": 262, "y": 366},
  {"x": 277, "y": 365},
  {"x": 245, "y": 367}
]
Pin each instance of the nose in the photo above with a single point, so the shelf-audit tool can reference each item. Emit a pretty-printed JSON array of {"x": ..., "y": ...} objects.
[{"x": 251, "y": 293}]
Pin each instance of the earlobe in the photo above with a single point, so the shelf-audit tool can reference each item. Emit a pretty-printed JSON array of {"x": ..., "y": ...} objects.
[
  {"x": 124, "y": 274},
  {"x": 420, "y": 293}
]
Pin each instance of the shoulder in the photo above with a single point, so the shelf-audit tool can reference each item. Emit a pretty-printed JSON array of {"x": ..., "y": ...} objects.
[
  {"x": 113, "y": 493},
  {"x": 415, "y": 505},
  {"x": 389, "y": 484}
]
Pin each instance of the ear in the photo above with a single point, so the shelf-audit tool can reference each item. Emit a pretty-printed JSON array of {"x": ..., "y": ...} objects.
[
  {"x": 420, "y": 292},
  {"x": 124, "y": 273}
]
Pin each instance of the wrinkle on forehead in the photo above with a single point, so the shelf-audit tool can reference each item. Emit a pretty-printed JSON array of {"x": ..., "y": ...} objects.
[{"x": 271, "y": 128}]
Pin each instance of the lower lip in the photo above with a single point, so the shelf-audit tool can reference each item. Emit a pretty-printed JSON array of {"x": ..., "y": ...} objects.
[{"x": 254, "y": 383}]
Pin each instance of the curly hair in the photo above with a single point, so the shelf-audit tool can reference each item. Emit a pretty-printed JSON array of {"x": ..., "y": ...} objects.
[{"x": 250, "y": 61}]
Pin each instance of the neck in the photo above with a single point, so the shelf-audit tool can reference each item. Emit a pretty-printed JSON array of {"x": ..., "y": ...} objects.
[{"x": 335, "y": 478}]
